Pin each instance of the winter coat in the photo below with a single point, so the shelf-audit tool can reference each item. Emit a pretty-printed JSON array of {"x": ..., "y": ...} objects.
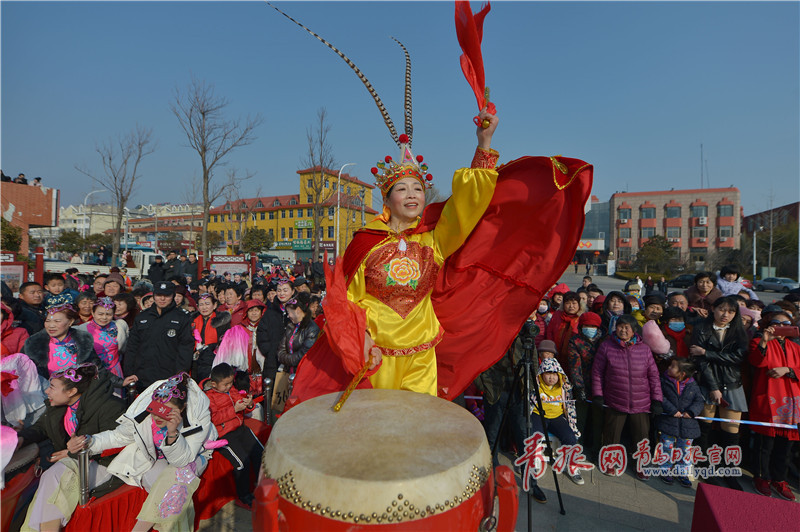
[
  {"x": 211, "y": 331},
  {"x": 172, "y": 269},
  {"x": 134, "y": 432},
  {"x": 541, "y": 321},
  {"x": 238, "y": 313},
  {"x": 697, "y": 300},
  {"x": 291, "y": 350},
  {"x": 561, "y": 327},
  {"x": 269, "y": 335},
  {"x": 156, "y": 272},
  {"x": 190, "y": 268},
  {"x": 37, "y": 347},
  {"x": 680, "y": 397},
  {"x": 775, "y": 400},
  {"x": 732, "y": 288},
  {"x": 31, "y": 318},
  {"x": 13, "y": 338},
  {"x": 721, "y": 366},
  {"x": 97, "y": 411},
  {"x": 159, "y": 346},
  {"x": 625, "y": 377},
  {"x": 580, "y": 356},
  {"x": 223, "y": 414}
]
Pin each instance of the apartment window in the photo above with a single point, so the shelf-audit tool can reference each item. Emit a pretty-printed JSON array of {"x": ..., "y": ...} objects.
[
  {"x": 699, "y": 210},
  {"x": 310, "y": 212},
  {"x": 625, "y": 232},
  {"x": 238, "y": 234},
  {"x": 271, "y": 233},
  {"x": 309, "y": 199},
  {"x": 672, "y": 212},
  {"x": 291, "y": 233},
  {"x": 327, "y": 184},
  {"x": 647, "y": 213},
  {"x": 292, "y": 201},
  {"x": 310, "y": 183},
  {"x": 230, "y": 235},
  {"x": 309, "y": 233},
  {"x": 624, "y": 254},
  {"x": 283, "y": 213},
  {"x": 648, "y": 232},
  {"x": 291, "y": 213},
  {"x": 624, "y": 214},
  {"x": 263, "y": 215},
  {"x": 700, "y": 232},
  {"x": 726, "y": 231},
  {"x": 254, "y": 217},
  {"x": 283, "y": 233},
  {"x": 276, "y": 203},
  {"x": 724, "y": 210},
  {"x": 215, "y": 218},
  {"x": 271, "y": 215},
  {"x": 331, "y": 211},
  {"x": 673, "y": 232},
  {"x": 330, "y": 232}
]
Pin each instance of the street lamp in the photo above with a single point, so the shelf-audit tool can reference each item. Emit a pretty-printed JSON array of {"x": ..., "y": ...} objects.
[
  {"x": 755, "y": 234},
  {"x": 85, "y": 199},
  {"x": 338, "y": 201},
  {"x": 127, "y": 219}
]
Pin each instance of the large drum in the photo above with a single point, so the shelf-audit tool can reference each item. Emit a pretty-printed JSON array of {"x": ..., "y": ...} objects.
[{"x": 388, "y": 458}]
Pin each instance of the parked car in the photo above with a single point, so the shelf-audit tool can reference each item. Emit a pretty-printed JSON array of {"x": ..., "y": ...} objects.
[
  {"x": 747, "y": 283},
  {"x": 684, "y": 280},
  {"x": 778, "y": 284}
]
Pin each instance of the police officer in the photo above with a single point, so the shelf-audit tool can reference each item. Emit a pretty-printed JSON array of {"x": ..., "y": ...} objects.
[{"x": 161, "y": 343}]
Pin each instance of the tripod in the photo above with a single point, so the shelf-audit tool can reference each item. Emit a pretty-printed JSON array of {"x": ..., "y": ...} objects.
[{"x": 522, "y": 370}]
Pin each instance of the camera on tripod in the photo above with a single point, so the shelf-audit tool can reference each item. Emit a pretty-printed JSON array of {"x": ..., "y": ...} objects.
[{"x": 529, "y": 330}]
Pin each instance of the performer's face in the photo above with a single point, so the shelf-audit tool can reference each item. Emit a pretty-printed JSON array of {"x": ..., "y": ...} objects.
[{"x": 406, "y": 199}]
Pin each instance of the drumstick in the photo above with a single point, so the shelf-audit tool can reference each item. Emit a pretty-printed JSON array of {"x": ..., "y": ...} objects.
[{"x": 352, "y": 385}]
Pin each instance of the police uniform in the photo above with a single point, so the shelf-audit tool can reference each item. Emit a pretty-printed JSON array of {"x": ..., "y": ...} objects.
[{"x": 160, "y": 345}]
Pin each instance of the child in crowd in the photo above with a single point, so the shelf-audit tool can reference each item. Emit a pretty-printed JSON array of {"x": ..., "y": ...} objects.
[
  {"x": 730, "y": 284},
  {"x": 673, "y": 325},
  {"x": 682, "y": 402},
  {"x": 542, "y": 318},
  {"x": 557, "y": 406},
  {"x": 228, "y": 407},
  {"x": 56, "y": 291},
  {"x": 564, "y": 324}
]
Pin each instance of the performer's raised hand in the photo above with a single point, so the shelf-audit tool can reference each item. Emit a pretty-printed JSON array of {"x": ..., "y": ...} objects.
[
  {"x": 372, "y": 355},
  {"x": 485, "y": 134}
]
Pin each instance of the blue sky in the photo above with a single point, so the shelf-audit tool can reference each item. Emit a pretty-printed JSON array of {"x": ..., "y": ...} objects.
[{"x": 632, "y": 87}]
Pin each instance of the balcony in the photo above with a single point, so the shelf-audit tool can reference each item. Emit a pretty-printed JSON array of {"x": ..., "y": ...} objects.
[{"x": 698, "y": 242}]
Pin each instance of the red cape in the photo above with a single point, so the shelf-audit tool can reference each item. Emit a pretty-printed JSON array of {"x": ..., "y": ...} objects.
[{"x": 487, "y": 289}]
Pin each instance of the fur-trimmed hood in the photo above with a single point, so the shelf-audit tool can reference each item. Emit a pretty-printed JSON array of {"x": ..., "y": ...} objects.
[
  {"x": 37, "y": 347},
  {"x": 222, "y": 318}
]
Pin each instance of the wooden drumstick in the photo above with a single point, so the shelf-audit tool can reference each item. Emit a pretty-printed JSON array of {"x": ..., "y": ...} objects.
[{"x": 352, "y": 385}]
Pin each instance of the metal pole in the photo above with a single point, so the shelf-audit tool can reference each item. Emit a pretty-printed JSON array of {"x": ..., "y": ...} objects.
[
  {"x": 338, "y": 201},
  {"x": 83, "y": 475},
  {"x": 85, "y": 199},
  {"x": 755, "y": 234},
  {"x": 155, "y": 236},
  {"x": 268, "y": 401}
]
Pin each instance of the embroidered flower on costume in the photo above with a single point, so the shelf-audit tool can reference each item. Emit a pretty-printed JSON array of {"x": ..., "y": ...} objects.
[
  {"x": 403, "y": 271},
  {"x": 173, "y": 501},
  {"x": 186, "y": 474}
]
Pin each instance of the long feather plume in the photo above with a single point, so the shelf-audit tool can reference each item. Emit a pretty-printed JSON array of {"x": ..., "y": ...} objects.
[
  {"x": 407, "y": 107},
  {"x": 386, "y": 118}
]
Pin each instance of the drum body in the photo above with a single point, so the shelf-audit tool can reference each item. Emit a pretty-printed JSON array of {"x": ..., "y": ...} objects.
[
  {"x": 389, "y": 458},
  {"x": 19, "y": 474}
]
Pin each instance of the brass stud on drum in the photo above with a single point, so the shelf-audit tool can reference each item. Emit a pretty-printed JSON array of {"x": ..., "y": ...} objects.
[
  {"x": 400, "y": 496},
  {"x": 394, "y": 503}
]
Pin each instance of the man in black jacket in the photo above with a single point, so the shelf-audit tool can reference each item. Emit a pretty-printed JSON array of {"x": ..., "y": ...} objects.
[
  {"x": 31, "y": 296},
  {"x": 172, "y": 268},
  {"x": 269, "y": 334},
  {"x": 161, "y": 342},
  {"x": 156, "y": 270}
]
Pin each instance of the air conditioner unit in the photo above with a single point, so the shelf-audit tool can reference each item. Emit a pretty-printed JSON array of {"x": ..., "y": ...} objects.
[
  {"x": 626, "y": 239},
  {"x": 701, "y": 239},
  {"x": 673, "y": 239},
  {"x": 723, "y": 239},
  {"x": 330, "y": 217},
  {"x": 703, "y": 220},
  {"x": 623, "y": 220}
]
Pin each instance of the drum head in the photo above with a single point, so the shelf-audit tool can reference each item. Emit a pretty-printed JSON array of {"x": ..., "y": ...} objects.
[
  {"x": 386, "y": 450},
  {"x": 22, "y": 457}
]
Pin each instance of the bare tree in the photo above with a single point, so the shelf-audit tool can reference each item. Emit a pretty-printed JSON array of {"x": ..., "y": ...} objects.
[
  {"x": 121, "y": 157},
  {"x": 200, "y": 113},
  {"x": 241, "y": 215},
  {"x": 319, "y": 159}
]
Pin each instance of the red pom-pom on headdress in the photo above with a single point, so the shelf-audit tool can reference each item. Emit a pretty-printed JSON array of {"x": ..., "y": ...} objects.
[{"x": 403, "y": 139}]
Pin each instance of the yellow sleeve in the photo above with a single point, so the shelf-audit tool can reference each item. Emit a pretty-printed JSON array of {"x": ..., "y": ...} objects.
[{"x": 472, "y": 191}]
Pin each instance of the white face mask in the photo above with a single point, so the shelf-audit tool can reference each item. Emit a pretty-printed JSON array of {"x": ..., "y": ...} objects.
[{"x": 543, "y": 309}]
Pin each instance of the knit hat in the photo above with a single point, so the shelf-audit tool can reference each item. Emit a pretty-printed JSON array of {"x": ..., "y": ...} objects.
[
  {"x": 115, "y": 278},
  {"x": 771, "y": 308},
  {"x": 549, "y": 346},
  {"x": 753, "y": 313},
  {"x": 590, "y": 319}
]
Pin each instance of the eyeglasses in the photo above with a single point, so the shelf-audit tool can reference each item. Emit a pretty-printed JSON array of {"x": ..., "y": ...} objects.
[{"x": 777, "y": 322}]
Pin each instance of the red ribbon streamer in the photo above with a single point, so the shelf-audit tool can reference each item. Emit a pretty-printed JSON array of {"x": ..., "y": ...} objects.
[{"x": 469, "y": 30}]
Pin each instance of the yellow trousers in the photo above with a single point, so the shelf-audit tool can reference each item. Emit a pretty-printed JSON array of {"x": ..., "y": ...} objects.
[{"x": 415, "y": 373}]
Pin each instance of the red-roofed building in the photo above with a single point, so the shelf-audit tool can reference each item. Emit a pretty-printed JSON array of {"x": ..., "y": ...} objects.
[{"x": 698, "y": 222}]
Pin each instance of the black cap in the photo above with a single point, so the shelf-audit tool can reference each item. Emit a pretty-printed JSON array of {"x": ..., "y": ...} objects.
[
  {"x": 159, "y": 257},
  {"x": 300, "y": 280},
  {"x": 164, "y": 288}
]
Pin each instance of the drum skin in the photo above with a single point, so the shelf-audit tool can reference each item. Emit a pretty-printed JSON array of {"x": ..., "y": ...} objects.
[{"x": 389, "y": 459}]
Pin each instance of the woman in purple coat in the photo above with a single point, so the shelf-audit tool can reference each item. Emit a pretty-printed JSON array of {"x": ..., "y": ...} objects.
[{"x": 625, "y": 380}]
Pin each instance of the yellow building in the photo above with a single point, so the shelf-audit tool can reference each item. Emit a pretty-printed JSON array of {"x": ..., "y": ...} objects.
[{"x": 290, "y": 218}]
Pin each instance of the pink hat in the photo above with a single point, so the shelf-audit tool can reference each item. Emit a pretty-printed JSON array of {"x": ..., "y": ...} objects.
[
  {"x": 753, "y": 313},
  {"x": 654, "y": 338}
]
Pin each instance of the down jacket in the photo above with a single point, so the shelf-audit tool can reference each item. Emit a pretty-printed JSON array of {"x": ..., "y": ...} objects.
[
  {"x": 134, "y": 432},
  {"x": 625, "y": 377},
  {"x": 682, "y": 397},
  {"x": 721, "y": 366}
]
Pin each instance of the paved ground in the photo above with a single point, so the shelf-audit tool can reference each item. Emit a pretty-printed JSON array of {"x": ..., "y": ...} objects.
[{"x": 618, "y": 504}]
